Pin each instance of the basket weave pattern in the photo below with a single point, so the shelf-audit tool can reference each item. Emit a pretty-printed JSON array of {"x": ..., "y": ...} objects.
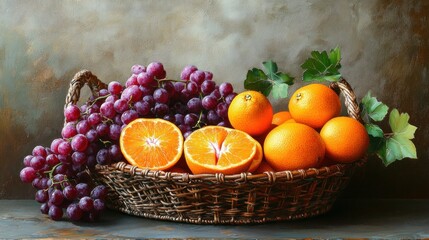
[{"x": 218, "y": 198}]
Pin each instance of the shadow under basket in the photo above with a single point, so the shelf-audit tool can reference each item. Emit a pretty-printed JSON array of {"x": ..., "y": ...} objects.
[
  {"x": 224, "y": 199},
  {"x": 217, "y": 198}
]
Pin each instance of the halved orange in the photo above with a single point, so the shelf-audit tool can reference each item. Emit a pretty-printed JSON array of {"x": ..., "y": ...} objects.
[
  {"x": 257, "y": 159},
  {"x": 216, "y": 149},
  {"x": 151, "y": 143}
]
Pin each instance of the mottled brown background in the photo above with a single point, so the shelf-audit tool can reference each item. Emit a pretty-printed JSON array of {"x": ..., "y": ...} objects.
[{"x": 44, "y": 43}]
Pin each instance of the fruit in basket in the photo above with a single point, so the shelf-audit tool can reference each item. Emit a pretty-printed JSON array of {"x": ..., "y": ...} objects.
[
  {"x": 257, "y": 159},
  {"x": 150, "y": 143},
  {"x": 251, "y": 112},
  {"x": 345, "y": 138},
  {"x": 281, "y": 117},
  {"x": 314, "y": 104},
  {"x": 293, "y": 146},
  {"x": 216, "y": 149},
  {"x": 264, "y": 167}
]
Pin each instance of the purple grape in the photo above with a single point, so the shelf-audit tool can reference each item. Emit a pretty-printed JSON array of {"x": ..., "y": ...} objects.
[
  {"x": 169, "y": 117},
  {"x": 115, "y": 153},
  {"x": 192, "y": 88},
  {"x": 229, "y": 97},
  {"x": 103, "y": 92},
  {"x": 74, "y": 212},
  {"x": 191, "y": 119},
  {"x": 94, "y": 119},
  {"x": 208, "y": 86},
  {"x": 37, "y": 162},
  {"x": 52, "y": 160},
  {"x": 70, "y": 193},
  {"x": 146, "y": 90},
  {"x": 128, "y": 116},
  {"x": 194, "y": 105},
  {"x": 102, "y": 129},
  {"x": 27, "y": 160},
  {"x": 69, "y": 130},
  {"x": 161, "y": 109},
  {"x": 44, "y": 208},
  {"x": 64, "y": 148},
  {"x": 132, "y": 93},
  {"x": 186, "y": 134},
  {"x": 42, "y": 196},
  {"x": 156, "y": 69},
  {"x": 149, "y": 99},
  {"x": 78, "y": 158},
  {"x": 121, "y": 105},
  {"x": 225, "y": 88},
  {"x": 115, "y": 131},
  {"x": 107, "y": 110},
  {"x": 103, "y": 157},
  {"x": 222, "y": 110},
  {"x": 216, "y": 94},
  {"x": 86, "y": 204},
  {"x": 179, "y": 118},
  {"x": 114, "y": 87},
  {"x": 39, "y": 151},
  {"x": 92, "y": 135},
  {"x": 71, "y": 113},
  {"x": 56, "y": 197},
  {"x": 146, "y": 79},
  {"x": 99, "y": 192},
  {"x": 160, "y": 95},
  {"x": 83, "y": 190},
  {"x": 187, "y": 71},
  {"x": 137, "y": 69},
  {"x": 79, "y": 143},
  {"x": 55, "y": 212},
  {"x": 213, "y": 118},
  {"x": 83, "y": 127},
  {"x": 184, "y": 128},
  {"x": 209, "y": 102},
  {"x": 111, "y": 98},
  {"x": 131, "y": 81},
  {"x": 99, "y": 205},
  {"x": 179, "y": 86},
  {"x": 142, "y": 108},
  {"x": 197, "y": 77},
  {"x": 208, "y": 75},
  {"x": 63, "y": 168}
]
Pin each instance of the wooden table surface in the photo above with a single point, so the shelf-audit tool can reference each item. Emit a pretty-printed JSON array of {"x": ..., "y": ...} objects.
[{"x": 388, "y": 218}]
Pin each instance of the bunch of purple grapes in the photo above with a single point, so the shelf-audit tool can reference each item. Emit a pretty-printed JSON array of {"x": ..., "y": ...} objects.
[{"x": 90, "y": 136}]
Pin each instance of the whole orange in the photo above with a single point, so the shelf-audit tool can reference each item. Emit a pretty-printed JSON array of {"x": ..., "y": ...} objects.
[
  {"x": 293, "y": 146},
  {"x": 251, "y": 112},
  {"x": 345, "y": 138},
  {"x": 314, "y": 104},
  {"x": 281, "y": 117}
]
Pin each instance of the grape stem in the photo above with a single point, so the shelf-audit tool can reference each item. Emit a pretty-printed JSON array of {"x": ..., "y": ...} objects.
[{"x": 94, "y": 101}]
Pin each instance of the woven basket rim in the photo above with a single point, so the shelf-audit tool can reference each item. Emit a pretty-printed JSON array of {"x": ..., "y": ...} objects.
[{"x": 268, "y": 176}]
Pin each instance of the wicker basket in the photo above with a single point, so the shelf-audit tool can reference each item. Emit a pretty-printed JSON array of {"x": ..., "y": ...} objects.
[{"x": 217, "y": 198}]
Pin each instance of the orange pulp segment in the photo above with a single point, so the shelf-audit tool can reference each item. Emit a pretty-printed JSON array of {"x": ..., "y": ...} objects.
[
  {"x": 216, "y": 149},
  {"x": 151, "y": 143}
]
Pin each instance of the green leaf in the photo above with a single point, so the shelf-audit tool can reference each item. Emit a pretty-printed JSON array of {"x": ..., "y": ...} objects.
[
  {"x": 280, "y": 90},
  {"x": 399, "y": 145},
  {"x": 373, "y": 108},
  {"x": 256, "y": 80},
  {"x": 271, "y": 81},
  {"x": 374, "y": 130},
  {"x": 322, "y": 67}
]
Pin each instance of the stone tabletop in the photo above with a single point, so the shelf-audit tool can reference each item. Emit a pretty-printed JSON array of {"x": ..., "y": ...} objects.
[{"x": 388, "y": 218}]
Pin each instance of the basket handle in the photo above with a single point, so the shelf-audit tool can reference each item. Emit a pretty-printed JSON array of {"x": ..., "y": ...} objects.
[
  {"x": 351, "y": 103},
  {"x": 79, "y": 80}
]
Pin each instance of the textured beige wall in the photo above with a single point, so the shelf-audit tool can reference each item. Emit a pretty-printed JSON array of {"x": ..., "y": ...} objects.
[{"x": 43, "y": 43}]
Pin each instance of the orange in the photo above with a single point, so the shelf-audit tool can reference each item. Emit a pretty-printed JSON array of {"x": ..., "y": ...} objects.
[
  {"x": 151, "y": 143},
  {"x": 293, "y": 146},
  {"x": 216, "y": 149},
  {"x": 345, "y": 138},
  {"x": 251, "y": 112},
  {"x": 314, "y": 105},
  {"x": 264, "y": 167},
  {"x": 281, "y": 117},
  {"x": 257, "y": 159}
]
